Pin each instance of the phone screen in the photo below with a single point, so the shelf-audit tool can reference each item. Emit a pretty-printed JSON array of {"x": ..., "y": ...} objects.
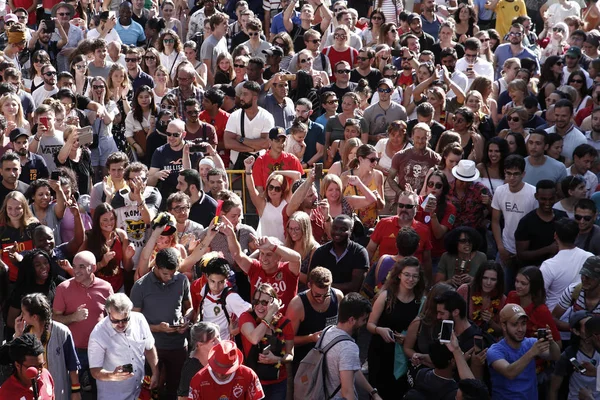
[
  {"x": 577, "y": 365},
  {"x": 446, "y": 333}
]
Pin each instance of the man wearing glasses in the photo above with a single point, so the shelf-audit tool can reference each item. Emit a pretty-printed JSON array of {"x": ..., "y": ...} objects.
[
  {"x": 312, "y": 41},
  {"x": 27, "y": 351},
  {"x": 364, "y": 70},
  {"x": 342, "y": 85},
  {"x": 119, "y": 347},
  {"x": 307, "y": 16},
  {"x": 196, "y": 129},
  {"x": 472, "y": 65},
  {"x": 514, "y": 48},
  {"x": 48, "y": 88},
  {"x": 379, "y": 115},
  {"x": 64, "y": 13},
  {"x": 42, "y": 39},
  {"x": 137, "y": 77}
]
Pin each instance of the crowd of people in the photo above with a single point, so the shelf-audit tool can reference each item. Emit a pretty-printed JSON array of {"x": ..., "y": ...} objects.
[{"x": 201, "y": 199}]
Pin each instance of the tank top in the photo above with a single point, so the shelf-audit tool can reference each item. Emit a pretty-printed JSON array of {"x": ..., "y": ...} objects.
[
  {"x": 367, "y": 215},
  {"x": 271, "y": 221},
  {"x": 314, "y": 321}
]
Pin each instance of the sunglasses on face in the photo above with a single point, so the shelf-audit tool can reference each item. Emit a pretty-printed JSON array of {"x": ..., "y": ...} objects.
[
  {"x": 252, "y": 34},
  {"x": 280, "y": 44},
  {"x": 239, "y": 65},
  {"x": 79, "y": 67},
  {"x": 50, "y": 73},
  {"x": 373, "y": 160},
  {"x": 97, "y": 87},
  {"x": 464, "y": 241},
  {"x": 513, "y": 119},
  {"x": 586, "y": 218},
  {"x": 515, "y": 33},
  {"x": 362, "y": 58},
  {"x": 407, "y": 206},
  {"x": 169, "y": 41},
  {"x": 119, "y": 321},
  {"x": 276, "y": 189},
  {"x": 559, "y": 62},
  {"x": 342, "y": 71},
  {"x": 332, "y": 101},
  {"x": 263, "y": 303},
  {"x": 340, "y": 36},
  {"x": 65, "y": 14},
  {"x": 484, "y": 39},
  {"x": 175, "y": 135},
  {"x": 305, "y": 60},
  {"x": 133, "y": 60},
  {"x": 149, "y": 58},
  {"x": 314, "y": 41},
  {"x": 386, "y": 90},
  {"x": 437, "y": 185},
  {"x": 558, "y": 30}
]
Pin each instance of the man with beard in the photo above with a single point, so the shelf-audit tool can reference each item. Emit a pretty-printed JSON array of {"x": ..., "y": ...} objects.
[
  {"x": 348, "y": 261},
  {"x": 448, "y": 58},
  {"x": 11, "y": 171},
  {"x": 178, "y": 205},
  {"x": 342, "y": 360},
  {"x": 315, "y": 137},
  {"x": 472, "y": 65},
  {"x": 588, "y": 238},
  {"x": 40, "y": 40},
  {"x": 514, "y": 48},
  {"x": 202, "y": 208},
  {"x": 130, "y": 32},
  {"x": 584, "y": 118},
  {"x": 187, "y": 89},
  {"x": 167, "y": 159},
  {"x": 48, "y": 88},
  {"x": 122, "y": 337},
  {"x": 276, "y": 160},
  {"x": 512, "y": 360},
  {"x": 33, "y": 165},
  {"x": 408, "y": 64},
  {"x": 381, "y": 114},
  {"x": 137, "y": 77},
  {"x": 573, "y": 58},
  {"x": 386, "y": 230},
  {"x": 105, "y": 30},
  {"x": 196, "y": 129},
  {"x": 72, "y": 307},
  {"x": 305, "y": 311},
  {"x": 538, "y": 166},
  {"x": 278, "y": 104},
  {"x": 364, "y": 70},
  {"x": 584, "y": 157},
  {"x": 425, "y": 113},
  {"x": 277, "y": 265},
  {"x": 415, "y": 23},
  {"x": 247, "y": 131},
  {"x": 305, "y": 198},
  {"x": 430, "y": 21},
  {"x": 572, "y": 137},
  {"x": 534, "y": 237},
  {"x": 217, "y": 117}
]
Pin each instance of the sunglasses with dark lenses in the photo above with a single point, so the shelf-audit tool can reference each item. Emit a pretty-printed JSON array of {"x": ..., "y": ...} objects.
[
  {"x": 559, "y": 62},
  {"x": 513, "y": 119},
  {"x": 464, "y": 240},
  {"x": 119, "y": 321},
  {"x": 305, "y": 60},
  {"x": 67, "y": 14},
  {"x": 264, "y": 303},
  {"x": 556, "y": 29},
  {"x": 169, "y": 41},
  {"x": 239, "y": 66},
  {"x": 338, "y": 36},
  {"x": 390, "y": 76},
  {"x": 274, "y": 188},
  {"x": 149, "y": 58},
  {"x": 437, "y": 185},
  {"x": 373, "y": 160},
  {"x": 175, "y": 135},
  {"x": 332, "y": 101},
  {"x": 386, "y": 90},
  {"x": 314, "y": 41},
  {"x": 97, "y": 87},
  {"x": 407, "y": 206},
  {"x": 50, "y": 73},
  {"x": 252, "y": 33},
  {"x": 363, "y": 58},
  {"x": 586, "y": 218},
  {"x": 131, "y": 60},
  {"x": 342, "y": 71}
]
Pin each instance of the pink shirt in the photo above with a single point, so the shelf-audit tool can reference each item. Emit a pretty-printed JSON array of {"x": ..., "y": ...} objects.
[{"x": 71, "y": 294}]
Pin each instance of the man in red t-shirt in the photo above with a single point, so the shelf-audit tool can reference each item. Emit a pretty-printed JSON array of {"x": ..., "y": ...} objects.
[
  {"x": 276, "y": 160},
  {"x": 26, "y": 352},
  {"x": 214, "y": 115},
  {"x": 276, "y": 265},
  {"x": 386, "y": 230},
  {"x": 225, "y": 377}
]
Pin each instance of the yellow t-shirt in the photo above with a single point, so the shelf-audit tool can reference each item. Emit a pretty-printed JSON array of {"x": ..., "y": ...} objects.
[{"x": 506, "y": 11}]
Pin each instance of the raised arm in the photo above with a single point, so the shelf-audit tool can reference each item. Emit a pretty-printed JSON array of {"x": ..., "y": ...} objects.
[
  {"x": 287, "y": 16},
  {"x": 300, "y": 194}
]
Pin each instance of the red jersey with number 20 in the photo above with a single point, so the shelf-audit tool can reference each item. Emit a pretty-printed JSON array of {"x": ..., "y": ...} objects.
[
  {"x": 242, "y": 385},
  {"x": 283, "y": 281}
]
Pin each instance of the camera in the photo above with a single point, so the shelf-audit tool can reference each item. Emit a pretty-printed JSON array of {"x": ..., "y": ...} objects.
[
  {"x": 542, "y": 333},
  {"x": 197, "y": 146}
]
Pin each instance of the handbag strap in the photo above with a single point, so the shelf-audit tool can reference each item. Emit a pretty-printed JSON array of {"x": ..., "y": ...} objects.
[{"x": 242, "y": 116}]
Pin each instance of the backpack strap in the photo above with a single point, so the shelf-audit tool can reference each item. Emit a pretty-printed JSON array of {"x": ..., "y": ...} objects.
[
  {"x": 222, "y": 302},
  {"x": 204, "y": 131},
  {"x": 324, "y": 351},
  {"x": 242, "y": 117}
]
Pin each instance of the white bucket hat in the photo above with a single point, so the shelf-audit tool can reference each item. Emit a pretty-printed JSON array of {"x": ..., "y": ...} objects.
[{"x": 466, "y": 171}]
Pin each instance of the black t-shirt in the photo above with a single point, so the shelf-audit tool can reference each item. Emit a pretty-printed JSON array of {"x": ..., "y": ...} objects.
[
  {"x": 372, "y": 77},
  {"x": 35, "y": 168},
  {"x": 356, "y": 257},
  {"x": 297, "y": 35},
  {"x": 436, "y": 131},
  {"x": 21, "y": 187},
  {"x": 165, "y": 158},
  {"x": 191, "y": 366},
  {"x": 204, "y": 210},
  {"x": 339, "y": 92},
  {"x": 153, "y": 142},
  {"x": 82, "y": 169},
  {"x": 538, "y": 232}
]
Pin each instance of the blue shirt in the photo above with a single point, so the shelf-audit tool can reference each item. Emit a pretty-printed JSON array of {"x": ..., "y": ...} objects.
[
  {"x": 277, "y": 22},
  {"x": 433, "y": 28},
  {"x": 524, "y": 386},
  {"x": 142, "y": 79},
  {"x": 283, "y": 115},
  {"x": 131, "y": 35},
  {"x": 315, "y": 134},
  {"x": 484, "y": 13},
  {"x": 503, "y": 53}
]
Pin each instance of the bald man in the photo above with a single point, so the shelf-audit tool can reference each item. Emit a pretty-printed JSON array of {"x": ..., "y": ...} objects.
[
  {"x": 167, "y": 159},
  {"x": 79, "y": 304}
]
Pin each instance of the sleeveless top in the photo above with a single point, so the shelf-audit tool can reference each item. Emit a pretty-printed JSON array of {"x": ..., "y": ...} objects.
[
  {"x": 367, "y": 215},
  {"x": 314, "y": 321},
  {"x": 398, "y": 319},
  {"x": 114, "y": 278},
  {"x": 271, "y": 221}
]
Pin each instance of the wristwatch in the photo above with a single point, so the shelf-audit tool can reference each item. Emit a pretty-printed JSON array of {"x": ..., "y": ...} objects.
[
  {"x": 241, "y": 139},
  {"x": 373, "y": 392}
]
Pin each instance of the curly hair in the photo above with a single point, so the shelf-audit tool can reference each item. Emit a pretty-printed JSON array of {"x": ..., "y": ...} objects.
[
  {"x": 392, "y": 283},
  {"x": 451, "y": 240},
  {"x": 177, "y": 46}
]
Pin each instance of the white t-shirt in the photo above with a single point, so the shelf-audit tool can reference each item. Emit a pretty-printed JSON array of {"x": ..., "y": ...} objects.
[
  {"x": 481, "y": 68},
  {"x": 42, "y": 94},
  {"x": 262, "y": 122},
  {"x": 213, "y": 311},
  {"x": 111, "y": 36},
  {"x": 557, "y": 278},
  {"x": 513, "y": 207},
  {"x": 386, "y": 162},
  {"x": 571, "y": 140}
]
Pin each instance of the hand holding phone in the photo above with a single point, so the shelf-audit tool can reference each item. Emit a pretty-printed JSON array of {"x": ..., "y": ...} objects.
[
  {"x": 318, "y": 171},
  {"x": 266, "y": 350},
  {"x": 127, "y": 368},
  {"x": 542, "y": 333},
  {"x": 446, "y": 331}
]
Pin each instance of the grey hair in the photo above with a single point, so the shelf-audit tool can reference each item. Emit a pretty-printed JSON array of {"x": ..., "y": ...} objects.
[
  {"x": 202, "y": 332},
  {"x": 119, "y": 302}
]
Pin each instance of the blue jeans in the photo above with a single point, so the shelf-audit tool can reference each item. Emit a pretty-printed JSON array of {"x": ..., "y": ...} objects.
[{"x": 276, "y": 391}]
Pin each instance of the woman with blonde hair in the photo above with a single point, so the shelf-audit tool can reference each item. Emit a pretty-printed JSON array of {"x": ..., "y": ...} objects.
[
  {"x": 269, "y": 205},
  {"x": 485, "y": 87},
  {"x": 300, "y": 239},
  {"x": 510, "y": 68},
  {"x": 363, "y": 175},
  {"x": 483, "y": 123},
  {"x": 12, "y": 110},
  {"x": 151, "y": 61},
  {"x": 118, "y": 88},
  {"x": 170, "y": 50},
  {"x": 436, "y": 96},
  {"x": 516, "y": 118},
  {"x": 305, "y": 63},
  {"x": 161, "y": 83},
  {"x": 16, "y": 227},
  {"x": 348, "y": 153},
  {"x": 240, "y": 64}
]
